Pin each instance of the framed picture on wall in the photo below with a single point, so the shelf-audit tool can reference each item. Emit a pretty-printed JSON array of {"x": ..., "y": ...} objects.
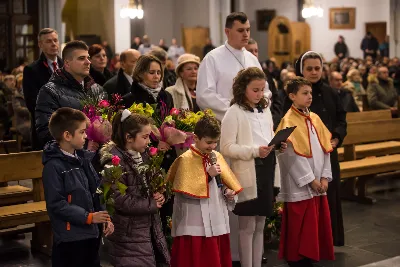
[
  {"x": 342, "y": 18},
  {"x": 264, "y": 18}
]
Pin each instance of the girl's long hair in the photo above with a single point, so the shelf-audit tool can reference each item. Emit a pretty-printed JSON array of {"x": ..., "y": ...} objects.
[{"x": 240, "y": 83}]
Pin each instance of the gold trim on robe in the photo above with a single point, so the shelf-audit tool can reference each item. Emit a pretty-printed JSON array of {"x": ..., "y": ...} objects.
[
  {"x": 189, "y": 176},
  {"x": 300, "y": 138}
]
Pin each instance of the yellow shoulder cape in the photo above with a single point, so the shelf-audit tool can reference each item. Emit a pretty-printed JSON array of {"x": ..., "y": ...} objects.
[
  {"x": 189, "y": 176},
  {"x": 300, "y": 138}
]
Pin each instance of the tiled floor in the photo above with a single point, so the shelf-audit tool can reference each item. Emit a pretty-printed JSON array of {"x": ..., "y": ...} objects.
[{"x": 372, "y": 239}]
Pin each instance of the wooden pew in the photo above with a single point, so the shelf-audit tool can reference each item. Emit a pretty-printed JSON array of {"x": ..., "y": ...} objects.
[
  {"x": 375, "y": 149},
  {"x": 8, "y": 146},
  {"x": 365, "y": 169},
  {"x": 373, "y": 115},
  {"x": 12, "y": 194},
  {"x": 23, "y": 166}
]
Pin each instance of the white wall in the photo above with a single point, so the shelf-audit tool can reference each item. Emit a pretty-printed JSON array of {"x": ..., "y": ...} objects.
[
  {"x": 287, "y": 8},
  {"x": 190, "y": 13},
  {"x": 122, "y": 28},
  {"x": 159, "y": 20},
  {"x": 323, "y": 39}
]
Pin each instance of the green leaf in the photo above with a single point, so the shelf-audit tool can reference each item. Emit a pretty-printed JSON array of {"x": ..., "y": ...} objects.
[
  {"x": 106, "y": 189},
  {"x": 110, "y": 208},
  {"x": 122, "y": 188}
]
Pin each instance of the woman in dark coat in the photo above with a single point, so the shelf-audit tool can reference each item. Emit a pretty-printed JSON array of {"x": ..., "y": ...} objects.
[
  {"x": 98, "y": 68},
  {"x": 326, "y": 104},
  {"x": 147, "y": 88}
]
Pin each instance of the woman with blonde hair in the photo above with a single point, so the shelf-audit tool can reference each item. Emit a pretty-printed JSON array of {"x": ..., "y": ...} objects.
[{"x": 354, "y": 85}]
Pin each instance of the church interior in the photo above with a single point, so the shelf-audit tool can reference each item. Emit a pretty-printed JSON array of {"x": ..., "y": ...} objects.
[{"x": 369, "y": 156}]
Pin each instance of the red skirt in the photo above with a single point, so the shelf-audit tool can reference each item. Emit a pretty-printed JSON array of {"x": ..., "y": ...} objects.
[
  {"x": 306, "y": 231},
  {"x": 201, "y": 251}
]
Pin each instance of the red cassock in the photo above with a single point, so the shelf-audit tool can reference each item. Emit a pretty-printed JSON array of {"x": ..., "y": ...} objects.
[
  {"x": 201, "y": 251},
  {"x": 306, "y": 230}
]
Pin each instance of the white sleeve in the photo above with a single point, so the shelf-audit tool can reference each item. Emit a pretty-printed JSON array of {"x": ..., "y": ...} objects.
[
  {"x": 327, "y": 170},
  {"x": 229, "y": 146},
  {"x": 206, "y": 89},
  {"x": 296, "y": 166}
]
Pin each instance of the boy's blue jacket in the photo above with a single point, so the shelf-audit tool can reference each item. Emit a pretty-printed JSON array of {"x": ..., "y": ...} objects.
[{"x": 70, "y": 191}]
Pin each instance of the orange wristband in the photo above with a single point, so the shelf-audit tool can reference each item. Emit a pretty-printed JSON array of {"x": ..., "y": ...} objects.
[{"x": 89, "y": 218}]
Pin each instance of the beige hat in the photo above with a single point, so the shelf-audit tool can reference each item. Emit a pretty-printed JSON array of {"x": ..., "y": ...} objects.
[{"x": 186, "y": 58}]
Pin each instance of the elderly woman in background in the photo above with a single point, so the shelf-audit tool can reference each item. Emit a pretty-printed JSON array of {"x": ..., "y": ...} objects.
[
  {"x": 355, "y": 86},
  {"x": 184, "y": 91},
  {"x": 98, "y": 70}
]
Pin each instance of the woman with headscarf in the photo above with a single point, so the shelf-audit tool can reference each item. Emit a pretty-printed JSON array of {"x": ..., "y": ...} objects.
[{"x": 326, "y": 104}]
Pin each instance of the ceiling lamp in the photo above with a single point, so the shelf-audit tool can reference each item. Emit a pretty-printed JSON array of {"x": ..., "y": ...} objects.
[
  {"x": 310, "y": 10},
  {"x": 132, "y": 10}
]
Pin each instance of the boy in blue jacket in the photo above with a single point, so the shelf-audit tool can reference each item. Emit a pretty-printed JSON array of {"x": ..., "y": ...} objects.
[{"x": 70, "y": 185}]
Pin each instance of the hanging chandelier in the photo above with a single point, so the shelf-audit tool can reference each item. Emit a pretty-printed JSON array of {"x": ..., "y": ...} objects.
[
  {"x": 132, "y": 10},
  {"x": 310, "y": 10}
]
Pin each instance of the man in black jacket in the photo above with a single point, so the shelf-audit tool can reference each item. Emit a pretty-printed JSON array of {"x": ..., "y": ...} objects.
[
  {"x": 66, "y": 88},
  {"x": 121, "y": 83},
  {"x": 369, "y": 45},
  {"x": 39, "y": 72}
]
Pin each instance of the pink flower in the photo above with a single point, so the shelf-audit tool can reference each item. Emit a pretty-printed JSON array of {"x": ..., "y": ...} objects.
[
  {"x": 269, "y": 225},
  {"x": 174, "y": 112},
  {"x": 153, "y": 151},
  {"x": 115, "y": 160},
  {"x": 280, "y": 210},
  {"x": 104, "y": 104}
]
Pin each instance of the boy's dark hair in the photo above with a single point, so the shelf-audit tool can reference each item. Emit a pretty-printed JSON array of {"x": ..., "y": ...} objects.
[
  {"x": 207, "y": 126},
  {"x": 240, "y": 83},
  {"x": 230, "y": 19},
  {"x": 65, "y": 119},
  {"x": 132, "y": 125},
  {"x": 72, "y": 46},
  {"x": 295, "y": 84}
]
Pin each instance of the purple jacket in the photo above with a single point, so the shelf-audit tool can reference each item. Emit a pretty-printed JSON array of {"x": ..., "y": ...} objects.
[{"x": 138, "y": 239}]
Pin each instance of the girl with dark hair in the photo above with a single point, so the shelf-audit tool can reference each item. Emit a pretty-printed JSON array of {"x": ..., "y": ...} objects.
[
  {"x": 326, "y": 104},
  {"x": 147, "y": 88},
  {"x": 138, "y": 239}
]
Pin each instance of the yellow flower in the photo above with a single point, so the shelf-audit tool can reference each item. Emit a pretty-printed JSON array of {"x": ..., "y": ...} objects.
[
  {"x": 169, "y": 119},
  {"x": 148, "y": 110}
]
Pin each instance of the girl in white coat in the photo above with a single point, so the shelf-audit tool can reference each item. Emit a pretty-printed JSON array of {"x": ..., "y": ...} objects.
[{"x": 247, "y": 129}]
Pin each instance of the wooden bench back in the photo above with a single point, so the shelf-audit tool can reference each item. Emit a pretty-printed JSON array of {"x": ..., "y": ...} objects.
[
  {"x": 9, "y": 146},
  {"x": 373, "y": 115},
  {"x": 369, "y": 132},
  {"x": 20, "y": 166},
  {"x": 23, "y": 166},
  {"x": 372, "y": 131}
]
